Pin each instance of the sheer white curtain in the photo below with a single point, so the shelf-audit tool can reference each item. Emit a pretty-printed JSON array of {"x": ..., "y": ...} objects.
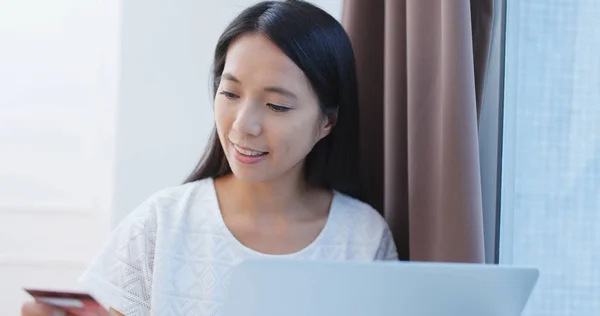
[{"x": 550, "y": 201}]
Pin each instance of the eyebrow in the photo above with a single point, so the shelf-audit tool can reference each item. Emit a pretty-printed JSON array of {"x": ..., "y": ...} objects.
[
  {"x": 230, "y": 77},
  {"x": 274, "y": 89},
  {"x": 281, "y": 91}
]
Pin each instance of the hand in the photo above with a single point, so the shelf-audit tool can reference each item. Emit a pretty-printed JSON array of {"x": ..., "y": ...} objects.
[{"x": 40, "y": 309}]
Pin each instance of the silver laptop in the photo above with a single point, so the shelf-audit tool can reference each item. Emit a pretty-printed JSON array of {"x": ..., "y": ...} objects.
[{"x": 278, "y": 287}]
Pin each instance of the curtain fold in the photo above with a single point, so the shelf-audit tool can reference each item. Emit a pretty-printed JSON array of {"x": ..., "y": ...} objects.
[{"x": 421, "y": 68}]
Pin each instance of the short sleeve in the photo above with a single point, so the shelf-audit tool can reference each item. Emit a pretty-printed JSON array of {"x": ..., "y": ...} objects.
[
  {"x": 387, "y": 248},
  {"x": 121, "y": 274}
]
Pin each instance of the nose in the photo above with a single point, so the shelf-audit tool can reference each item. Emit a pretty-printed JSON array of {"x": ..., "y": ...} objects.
[{"x": 248, "y": 120}]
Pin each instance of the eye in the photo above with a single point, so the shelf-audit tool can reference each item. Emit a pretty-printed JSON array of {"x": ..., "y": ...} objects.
[
  {"x": 278, "y": 108},
  {"x": 229, "y": 95}
]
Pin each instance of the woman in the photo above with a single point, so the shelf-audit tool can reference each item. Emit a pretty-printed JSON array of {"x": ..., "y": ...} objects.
[{"x": 279, "y": 178}]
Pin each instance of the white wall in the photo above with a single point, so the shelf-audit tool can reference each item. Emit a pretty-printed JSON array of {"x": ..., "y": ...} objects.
[
  {"x": 165, "y": 110},
  {"x": 58, "y": 102}
]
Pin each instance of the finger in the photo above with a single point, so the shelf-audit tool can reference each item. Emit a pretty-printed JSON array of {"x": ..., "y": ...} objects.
[{"x": 39, "y": 309}]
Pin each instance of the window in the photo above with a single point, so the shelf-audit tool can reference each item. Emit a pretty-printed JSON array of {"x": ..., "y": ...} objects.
[{"x": 550, "y": 184}]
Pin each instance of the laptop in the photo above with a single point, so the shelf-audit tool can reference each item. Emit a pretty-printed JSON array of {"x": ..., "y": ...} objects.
[{"x": 281, "y": 287}]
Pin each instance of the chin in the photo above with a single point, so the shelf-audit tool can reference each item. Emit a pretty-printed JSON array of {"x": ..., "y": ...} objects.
[
  {"x": 248, "y": 173},
  {"x": 249, "y": 176}
]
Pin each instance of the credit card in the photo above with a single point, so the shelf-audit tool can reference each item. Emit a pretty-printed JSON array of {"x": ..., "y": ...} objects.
[{"x": 73, "y": 303}]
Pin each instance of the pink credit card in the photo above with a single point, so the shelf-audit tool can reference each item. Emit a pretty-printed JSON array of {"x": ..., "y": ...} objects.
[{"x": 77, "y": 304}]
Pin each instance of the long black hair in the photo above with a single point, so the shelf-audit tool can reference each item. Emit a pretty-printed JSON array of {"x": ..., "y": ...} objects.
[{"x": 319, "y": 46}]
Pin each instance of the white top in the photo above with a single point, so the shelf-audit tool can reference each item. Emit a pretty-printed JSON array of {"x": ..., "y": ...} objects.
[{"x": 173, "y": 254}]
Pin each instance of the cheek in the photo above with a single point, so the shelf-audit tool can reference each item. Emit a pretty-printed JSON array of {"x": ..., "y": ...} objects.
[
  {"x": 221, "y": 117},
  {"x": 296, "y": 137},
  {"x": 222, "y": 124}
]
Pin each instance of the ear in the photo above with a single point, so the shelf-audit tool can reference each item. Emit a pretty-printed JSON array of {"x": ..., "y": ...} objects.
[{"x": 329, "y": 122}]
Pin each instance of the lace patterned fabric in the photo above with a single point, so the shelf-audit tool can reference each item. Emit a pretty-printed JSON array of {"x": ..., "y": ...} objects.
[{"x": 173, "y": 254}]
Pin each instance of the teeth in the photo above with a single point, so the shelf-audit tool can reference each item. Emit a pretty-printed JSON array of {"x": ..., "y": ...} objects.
[{"x": 248, "y": 152}]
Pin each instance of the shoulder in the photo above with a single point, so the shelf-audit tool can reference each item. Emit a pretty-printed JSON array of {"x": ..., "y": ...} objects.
[
  {"x": 364, "y": 228},
  {"x": 169, "y": 204},
  {"x": 121, "y": 274},
  {"x": 176, "y": 196},
  {"x": 360, "y": 213}
]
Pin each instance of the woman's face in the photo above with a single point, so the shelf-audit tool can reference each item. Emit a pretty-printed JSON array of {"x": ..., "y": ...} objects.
[{"x": 267, "y": 116}]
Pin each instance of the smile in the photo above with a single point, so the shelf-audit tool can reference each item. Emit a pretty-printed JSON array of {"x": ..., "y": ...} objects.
[{"x": 248, "y": 151}]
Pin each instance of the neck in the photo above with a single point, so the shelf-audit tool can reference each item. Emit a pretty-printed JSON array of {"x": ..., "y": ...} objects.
[{"x": 279, "y": 197}]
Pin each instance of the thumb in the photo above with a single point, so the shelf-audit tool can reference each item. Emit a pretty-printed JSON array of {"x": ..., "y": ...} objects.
[
  {"x": 58, "y": 312},
  {"x": 40, "y": 309}
]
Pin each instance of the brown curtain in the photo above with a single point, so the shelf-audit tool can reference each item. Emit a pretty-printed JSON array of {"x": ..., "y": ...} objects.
[{"x": 421, "y": 67}]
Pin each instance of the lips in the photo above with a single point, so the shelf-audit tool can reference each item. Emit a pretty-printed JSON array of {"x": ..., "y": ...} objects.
[{"x": 249, "y": 151}]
